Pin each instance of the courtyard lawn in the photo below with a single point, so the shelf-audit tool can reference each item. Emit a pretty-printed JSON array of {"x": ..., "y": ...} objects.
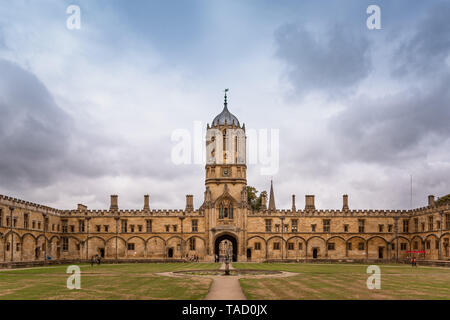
[
  {"x": 346, "y": 281},
  {"x": 106, "y": 281}
]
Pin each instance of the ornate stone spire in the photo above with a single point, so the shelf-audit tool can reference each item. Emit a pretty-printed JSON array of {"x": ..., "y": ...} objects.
[{"x": 272, "y": 198}]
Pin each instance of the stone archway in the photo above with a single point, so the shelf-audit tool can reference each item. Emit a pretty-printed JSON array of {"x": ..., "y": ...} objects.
[{"x": 230, "y": 238}]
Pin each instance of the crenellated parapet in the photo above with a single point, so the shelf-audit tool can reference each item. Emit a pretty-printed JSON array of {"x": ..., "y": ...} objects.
[
  {"x": 27, "y": 205},
  {"x": 332, "y": 213},
  {"x": 430, "y": 209},
  {"x": 133, "y": 213}
]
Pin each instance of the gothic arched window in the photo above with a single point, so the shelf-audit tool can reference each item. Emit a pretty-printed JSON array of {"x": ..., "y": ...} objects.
[{"x": 226, "y": 210}]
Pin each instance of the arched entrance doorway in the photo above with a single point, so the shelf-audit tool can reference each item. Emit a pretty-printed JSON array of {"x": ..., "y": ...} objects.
[
  {"x": 315, "y": 253},
  {"x": 224, "y": 241}
]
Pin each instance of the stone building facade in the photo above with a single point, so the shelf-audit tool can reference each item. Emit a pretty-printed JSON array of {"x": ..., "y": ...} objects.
[{"x": 33, "y": 232}]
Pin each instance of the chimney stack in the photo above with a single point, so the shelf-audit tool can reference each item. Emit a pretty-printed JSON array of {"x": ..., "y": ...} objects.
[
  {"x": 263, "y": 202},
  {"x": 344, "y": 202},
  {"x": 431, "y": 200},
  {"x": 146, "y": 202},
  {"x": 309, "y": 202},
  {"x": 114, "y": 203},
  {"x": 189, "y": 202},
  {"x": 81, "y": 207},
  {"x": 293, "y": 203}
]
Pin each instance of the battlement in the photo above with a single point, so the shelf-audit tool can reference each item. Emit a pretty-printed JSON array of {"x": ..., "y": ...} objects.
[
  {"x": 27, "y": 205},
  {"x": 333, "y": 213},
  {"x": 131, "y": 212},
  {"x": 430, "y": 209}
]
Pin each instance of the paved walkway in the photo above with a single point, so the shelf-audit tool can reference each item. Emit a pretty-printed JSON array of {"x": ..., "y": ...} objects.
[
  {"x": 228, "y": 287},
  {"x": 225, "y": 287}
]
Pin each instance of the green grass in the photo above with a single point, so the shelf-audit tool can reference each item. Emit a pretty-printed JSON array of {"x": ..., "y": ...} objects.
[
  {"x": 346, "y": 281},
  {"x": 141, "y": 281},
  {"x": 107, "y": 281}
]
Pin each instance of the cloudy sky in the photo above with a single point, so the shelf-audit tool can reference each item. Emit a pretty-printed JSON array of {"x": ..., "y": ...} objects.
[{"x": 88, "y": 113}]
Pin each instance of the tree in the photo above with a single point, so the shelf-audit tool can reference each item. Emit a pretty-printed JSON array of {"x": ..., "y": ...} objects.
[
  {"x": 253, "y": 199},
  {"x": 443, "y": 200}
]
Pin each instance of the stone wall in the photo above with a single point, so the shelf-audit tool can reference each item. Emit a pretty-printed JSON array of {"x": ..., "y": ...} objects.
[{"x": 33, "y": 232}]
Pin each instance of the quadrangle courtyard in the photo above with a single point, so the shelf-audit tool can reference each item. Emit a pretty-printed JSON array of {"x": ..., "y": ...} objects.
[{"x": 144, "y": 281}]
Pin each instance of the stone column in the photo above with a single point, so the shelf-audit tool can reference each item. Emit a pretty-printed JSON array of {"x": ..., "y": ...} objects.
[
  {"x": 87, "y": 237},
  {"x": 367, "y": 250},
  {"x": 117, "y": 237},
  {"x": 441, "y": 214},
  {"x": 388, "y": 255},
  {"x": 282, "y": 238},
  {"x": 306, "y": 250},
  {"x": 182, "y": 244},
  {"x": 11, "y": 209},
  {"x": 396, "y": 237},
  {"x": 44, "y": 215}
]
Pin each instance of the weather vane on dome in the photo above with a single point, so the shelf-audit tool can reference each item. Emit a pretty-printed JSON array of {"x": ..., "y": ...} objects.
[{"x": 226, "y": 90}]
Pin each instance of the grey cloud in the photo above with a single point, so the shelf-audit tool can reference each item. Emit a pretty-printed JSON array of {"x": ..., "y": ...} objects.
[
  {"x": 408, "y": 125},
  {"x": 396, "y": 127},
  {"x": 34, "y": 132},
  {"x": 426, "y": 50},
  {"x": 41, "y": 144},
  {"x": 334, "y": 62}
]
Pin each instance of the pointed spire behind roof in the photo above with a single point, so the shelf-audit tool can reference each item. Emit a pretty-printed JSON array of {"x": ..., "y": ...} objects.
[{"x": 272, "y": 198}]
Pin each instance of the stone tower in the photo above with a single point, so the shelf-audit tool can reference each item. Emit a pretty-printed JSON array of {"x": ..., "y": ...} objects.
[
  {"x": 226, "y": 167},
  {"x": 225, "y": 202}
]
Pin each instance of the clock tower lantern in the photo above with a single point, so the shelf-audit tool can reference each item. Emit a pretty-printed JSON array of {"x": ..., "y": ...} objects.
[{"x": 226, "y": 155}]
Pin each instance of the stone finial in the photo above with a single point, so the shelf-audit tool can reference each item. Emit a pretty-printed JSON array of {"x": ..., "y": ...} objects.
[
  {"x": 345, "y": 202},
  {"x": 293, "y": 203},
  {"x": 114, "y": 202}
]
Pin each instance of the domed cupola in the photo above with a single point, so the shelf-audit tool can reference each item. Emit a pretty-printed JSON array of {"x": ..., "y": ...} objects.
[{"x": 225, "y": 117}]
